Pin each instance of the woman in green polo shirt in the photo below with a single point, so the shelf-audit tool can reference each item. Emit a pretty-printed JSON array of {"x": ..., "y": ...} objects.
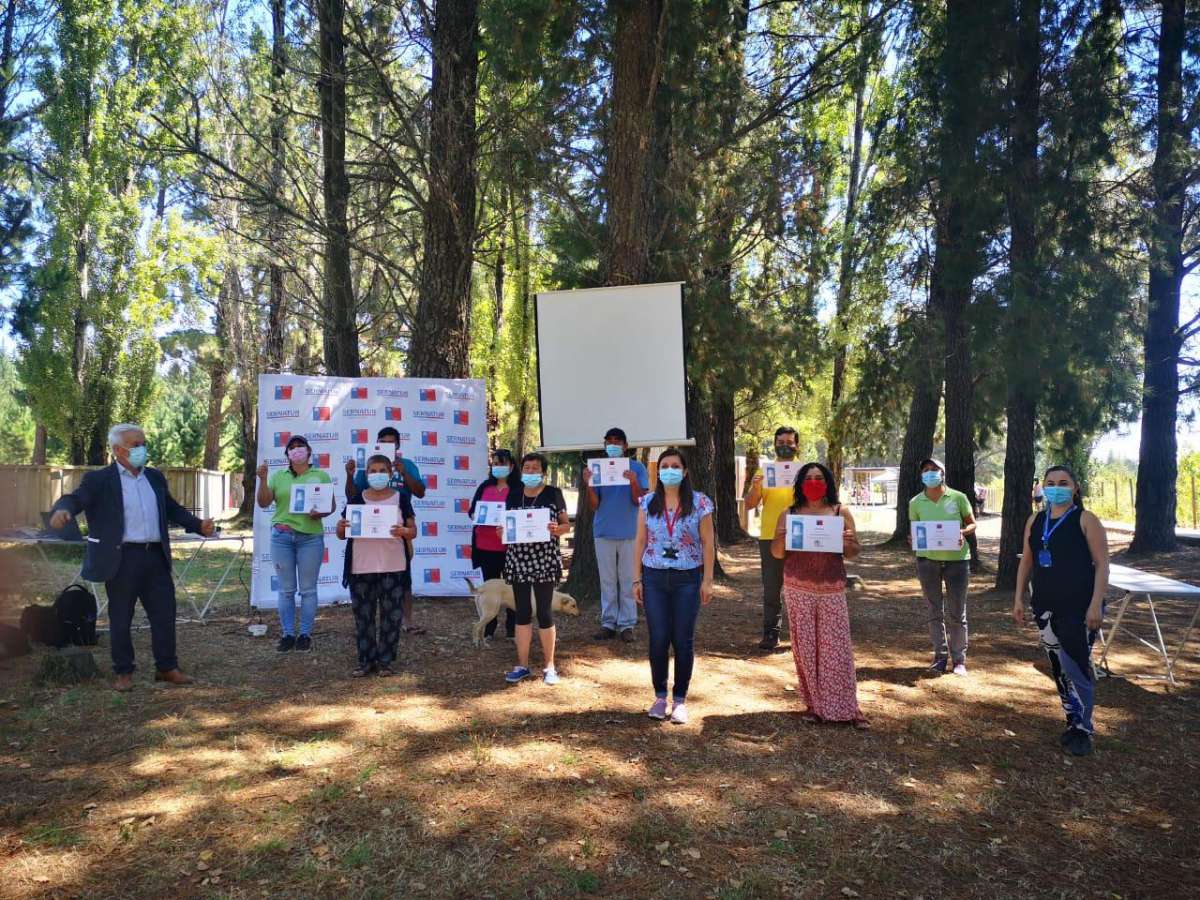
[
  {"x": 947, "y": 628},
  {"x": 297, "y": 541}
]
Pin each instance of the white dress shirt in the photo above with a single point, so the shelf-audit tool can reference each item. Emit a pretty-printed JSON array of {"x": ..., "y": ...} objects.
[{"x": 141, "y": 507}]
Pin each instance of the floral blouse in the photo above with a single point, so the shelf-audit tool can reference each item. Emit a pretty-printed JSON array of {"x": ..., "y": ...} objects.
[{"x": 683, "y": 536}]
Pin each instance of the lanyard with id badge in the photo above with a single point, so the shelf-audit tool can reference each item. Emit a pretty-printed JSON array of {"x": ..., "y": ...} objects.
[
  {"x": 1044, "y": 558},
  {"x": 671, "y": 550}
]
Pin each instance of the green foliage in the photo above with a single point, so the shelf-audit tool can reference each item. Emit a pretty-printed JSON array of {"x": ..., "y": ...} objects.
[{"x": 16, "y": 421}]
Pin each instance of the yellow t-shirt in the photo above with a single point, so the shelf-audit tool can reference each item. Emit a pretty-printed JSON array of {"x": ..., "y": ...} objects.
[{"x": 774, "y": 502}]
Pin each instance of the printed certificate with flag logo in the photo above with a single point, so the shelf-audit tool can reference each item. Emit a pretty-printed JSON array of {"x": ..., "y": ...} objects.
[
  {"x": 527, "y": 526},
  {"x": 936, "y": 535},
  {"x": 373, "y": 521},
  {"x": 606, "y": 472},
  {"x": 489, "y": 512},
  {"x": 778, "y": 474},
  {"x": 307, "y": 498},
  {"x": 815, "y": 534}
]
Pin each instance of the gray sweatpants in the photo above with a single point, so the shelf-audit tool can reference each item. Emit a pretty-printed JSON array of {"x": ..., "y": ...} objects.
[
  {"x": 947, "y": 611},
  {"x": 772, "y": 581},
  {"x": 618, "y": 606}
]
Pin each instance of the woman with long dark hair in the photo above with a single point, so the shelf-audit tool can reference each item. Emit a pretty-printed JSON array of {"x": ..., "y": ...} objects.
[
  {"x": 1066, "y": 551},
  {"x": 487, "y": 550},
  {"x": 297, "y": 542},
  {"x": 674, "y": 553},
  {"x": 814, "y": 593}
]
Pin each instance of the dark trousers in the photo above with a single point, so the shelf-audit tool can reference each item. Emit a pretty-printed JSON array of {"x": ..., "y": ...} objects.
[
  {"x": 527, "y": 594},
  {"x": 491, "y": 562},
  {"x": 143, "y": 575},
  {"x": 671, "y": 599},
  {"x": 383, "y": 591},
  {"x": 772, "y": 581}
]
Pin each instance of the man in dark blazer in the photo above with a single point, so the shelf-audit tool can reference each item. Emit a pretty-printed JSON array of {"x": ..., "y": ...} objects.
[{"x": 128, "y": 509}]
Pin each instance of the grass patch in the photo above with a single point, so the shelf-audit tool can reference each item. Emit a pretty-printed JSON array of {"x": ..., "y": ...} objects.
[
  {"x": 54, "y": 836},
  {"x": 357, "y": 856}
]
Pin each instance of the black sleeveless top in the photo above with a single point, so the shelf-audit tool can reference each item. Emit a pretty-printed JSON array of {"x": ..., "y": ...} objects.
[{"x": 1067, "y": 585}]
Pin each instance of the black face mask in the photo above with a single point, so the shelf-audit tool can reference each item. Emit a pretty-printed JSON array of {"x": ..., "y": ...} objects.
[{"x": 784, "y": 451}]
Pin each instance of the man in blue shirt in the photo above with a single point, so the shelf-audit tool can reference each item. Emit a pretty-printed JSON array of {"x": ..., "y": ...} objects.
[
  {"x": 408, "y": 483},
  {"x": 613, "y": 530}
]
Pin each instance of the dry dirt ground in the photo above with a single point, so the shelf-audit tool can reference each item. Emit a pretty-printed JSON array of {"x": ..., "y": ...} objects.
[{"x": 277, "y": 775}]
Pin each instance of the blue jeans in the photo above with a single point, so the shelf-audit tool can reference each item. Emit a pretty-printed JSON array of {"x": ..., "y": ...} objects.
[
  {"x": 297, "y": 559},
  {"x": 614, "y": 559},
  {"x": 671, "y": 598}
]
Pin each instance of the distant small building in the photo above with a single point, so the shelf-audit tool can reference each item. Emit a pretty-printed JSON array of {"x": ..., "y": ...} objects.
[{"x": 871, "y": 485}]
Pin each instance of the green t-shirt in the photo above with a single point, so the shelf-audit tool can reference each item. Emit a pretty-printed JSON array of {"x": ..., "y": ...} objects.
[
  {"x": 280, "y": 483},
  {"x": 952, "y": 507}
]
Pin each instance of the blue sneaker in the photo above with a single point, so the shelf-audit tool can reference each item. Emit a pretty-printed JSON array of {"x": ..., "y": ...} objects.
[
  {"x": 939, "y": 666},
  {"x": 518, "y": 673}
]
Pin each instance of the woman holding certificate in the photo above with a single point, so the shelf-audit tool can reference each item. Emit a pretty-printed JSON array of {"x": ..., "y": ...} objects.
[
  {"x": 377, "y": 521},
  {"x": 814, "y": 537},
  {"x": 297, "y": 538},
  {"x": 487, "y": 550},
  {"x": 673, "y": 558},
  {"x": 534, "y": 567},
  {"x": 1066, "y": 551}
]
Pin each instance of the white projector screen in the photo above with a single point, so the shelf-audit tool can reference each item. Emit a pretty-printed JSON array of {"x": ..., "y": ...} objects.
[{"x": 611, "y": 357}]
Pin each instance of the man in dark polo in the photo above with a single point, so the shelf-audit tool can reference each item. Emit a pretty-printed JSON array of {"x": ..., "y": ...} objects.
[{"x": 128, "y": 508}]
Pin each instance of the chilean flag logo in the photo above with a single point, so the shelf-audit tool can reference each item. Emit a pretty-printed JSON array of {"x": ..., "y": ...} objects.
[
  {"x": 322, "y": 460},
  {"x": 282, "y": 437},
  {"x": 358, "y": 435},
  {"x": 429, "y": 439},
  {"x": 464, "y": 551},
  {"x": 392, "y": 414},
  {"x": 429, "y": 529},
  {"x": 431, "y": 482},
  {"x": 325, "y": 557},
  {"x": 283, "y": 392},
  {"x": 427, "y": 395},
  {"x": 433, "y": 576},
  {"x": 322, "y": 413},
  {"x": 358, "y": 393},
  {"x": 462, "y": 463},
  {"x": 462, "y": 505},
  {"x": 462, "y": 417}
]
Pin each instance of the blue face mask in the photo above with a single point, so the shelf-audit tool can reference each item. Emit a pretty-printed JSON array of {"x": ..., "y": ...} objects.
[
  {"x": 137, "y": 456},
  {"x": 671, "y": 477},
  {"x": 378, "y": 480},
  {"x": 614, "y": 450},
  {"x": 501, "y": 472},
  {"x": 1058, "y": 496},
  {"x": 931, "y": 479},
  {"x": 531, "y": 479}
]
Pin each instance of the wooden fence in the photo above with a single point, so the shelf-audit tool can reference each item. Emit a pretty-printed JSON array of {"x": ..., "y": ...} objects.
[{"x": 29, "y": 491}]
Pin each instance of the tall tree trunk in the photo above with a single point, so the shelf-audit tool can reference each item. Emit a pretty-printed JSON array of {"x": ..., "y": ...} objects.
[
  {"x": 1024, "y": 196},
  {"x": 729, "y": 528},
  {"x": 493, "y": 412},
  {"x": 834, "y": 438},
  {"x": 217, "y": 377},
  {"x": 638, "y": 28},
  {"x": 339, "y": 309},
  {"x": 1154, "y": 528},
  {"x": 441, "y": 333},
  {"x": 918, "y": 434},
  {"x": 39, "y": 445},
  {"x": 277, "y": 304}
]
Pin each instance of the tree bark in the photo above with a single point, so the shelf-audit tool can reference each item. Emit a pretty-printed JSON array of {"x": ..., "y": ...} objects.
[
  {"x": 498, "y": 273},
  {"x": 441, "y": 333},
  {"x": 217, "y": 378},
  {"x": 39, "y": 445},
  {"x": 1024, "y": 195},
  {"x": 1154, "y": 528},
  {"x": 918, "y": 434},
  {"x": 339, "y": 309},
  {"x": 277, "y": 305},
  {"x": 728, "y": 526}
]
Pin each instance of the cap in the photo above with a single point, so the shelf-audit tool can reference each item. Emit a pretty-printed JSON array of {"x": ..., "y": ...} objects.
[
  {"x": 617, "y": 433},
  {"x": 928, "y": 460}
]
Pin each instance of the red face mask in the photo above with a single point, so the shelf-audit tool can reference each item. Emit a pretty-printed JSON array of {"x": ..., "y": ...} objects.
[{"x": 813, "y": 490}]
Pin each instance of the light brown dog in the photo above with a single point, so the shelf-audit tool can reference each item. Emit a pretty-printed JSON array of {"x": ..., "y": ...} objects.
[{"x": 496, "y": 594}]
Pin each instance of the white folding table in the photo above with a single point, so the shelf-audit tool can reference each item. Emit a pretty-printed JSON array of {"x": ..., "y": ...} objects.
[
  {"x": 1145, "y": 585},
  {"x": 198, "y": 543}
]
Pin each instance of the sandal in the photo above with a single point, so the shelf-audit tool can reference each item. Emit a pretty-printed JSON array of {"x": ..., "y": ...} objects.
[
  {"x": 361, "y": 672},
  {"x": 385, "y": 671}
]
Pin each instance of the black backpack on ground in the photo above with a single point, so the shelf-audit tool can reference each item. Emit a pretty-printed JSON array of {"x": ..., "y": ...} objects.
[{"x": 75, "y": 609}]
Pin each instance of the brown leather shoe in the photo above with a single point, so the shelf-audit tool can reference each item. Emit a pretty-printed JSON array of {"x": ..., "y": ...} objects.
[
  {"x": 174, "y": 677},
  {"x": 123, "y": 683}
]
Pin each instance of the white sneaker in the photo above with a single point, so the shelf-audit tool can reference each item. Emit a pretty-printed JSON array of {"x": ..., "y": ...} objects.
[
  {"x": 961, "y": 670},
  {"x": 550, "y": 676},
  {"x": 679, "y": 715}
]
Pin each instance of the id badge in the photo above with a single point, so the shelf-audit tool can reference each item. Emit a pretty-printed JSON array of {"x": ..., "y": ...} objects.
[
  {"x": 1044, "y": 559},
  {"x": 670, "y": 553}
]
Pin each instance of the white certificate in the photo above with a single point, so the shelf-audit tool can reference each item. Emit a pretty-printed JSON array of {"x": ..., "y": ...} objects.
[
  {"x": 936, "y": 535},
  {"x": 780, "y": 474},
  {"x": 606, "y": 472},
  {"x": 309, "y": 497},
  {"x": 489, "y": 512},
  {"x": 527, "y": 526},
  {"x": 370, "y": 520},
  {"x": 815, "y": 534}
]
